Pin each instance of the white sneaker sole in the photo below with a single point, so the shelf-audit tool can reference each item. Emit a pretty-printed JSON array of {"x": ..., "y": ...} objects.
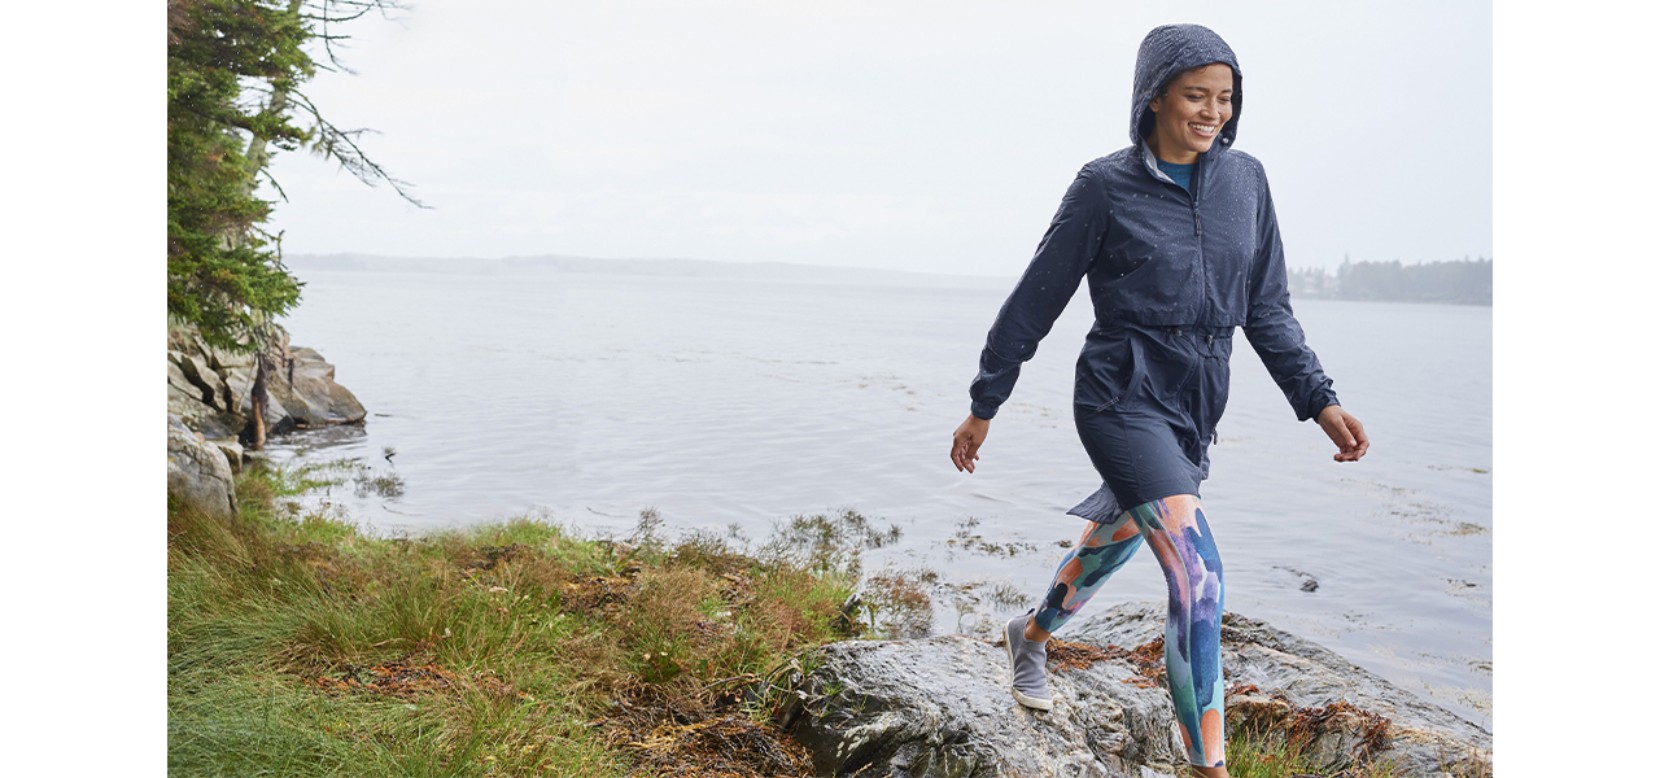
[{"x": 1035, "y": 703}]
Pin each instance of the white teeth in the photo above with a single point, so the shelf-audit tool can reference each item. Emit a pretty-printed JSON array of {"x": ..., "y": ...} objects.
[{"x": 1205, "y": 129}]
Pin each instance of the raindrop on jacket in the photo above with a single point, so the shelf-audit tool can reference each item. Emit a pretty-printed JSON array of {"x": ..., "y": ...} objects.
[{"x": 1159, "y": 260}]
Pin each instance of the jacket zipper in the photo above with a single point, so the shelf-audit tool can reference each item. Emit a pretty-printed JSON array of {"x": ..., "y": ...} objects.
[
  {"x": 1199, "y": 232},
  {"x": 1192, "y": 192}
]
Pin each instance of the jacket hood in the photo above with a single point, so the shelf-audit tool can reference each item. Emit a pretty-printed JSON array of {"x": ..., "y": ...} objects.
[{"x": 1165, "y": 53}]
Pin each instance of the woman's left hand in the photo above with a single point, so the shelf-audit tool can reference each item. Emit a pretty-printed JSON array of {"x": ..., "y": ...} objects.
[{"x": 1344, "y": 430}]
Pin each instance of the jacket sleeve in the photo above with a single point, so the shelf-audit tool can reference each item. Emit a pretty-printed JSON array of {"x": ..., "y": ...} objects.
[
  {"x": 1273, "y": 331},
  {"x": 1062, "y": 259}
]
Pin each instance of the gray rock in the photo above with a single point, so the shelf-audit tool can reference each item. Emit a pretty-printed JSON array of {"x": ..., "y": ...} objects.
[
  {"x": 184, "y": 400},
  {"x": 941, "y": 707},
  {"x": 232, "y": 449},
  {"x": 198, "y": 474},
  {"x": 211, "y": 390},
  {"x": 1295, "y": 680},
  {"x": 226, "y": 362},
  {"x": 197, "y": 391},
  {"x": 216, "y": 393},
  {"x": 311, "y": 396}
]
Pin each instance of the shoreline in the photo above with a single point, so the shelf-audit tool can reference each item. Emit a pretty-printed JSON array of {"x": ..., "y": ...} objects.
[
  {"x": 637, "y": 652},
  {"x": 557, "y": 264},
  {"x": 964, "y": 562}
]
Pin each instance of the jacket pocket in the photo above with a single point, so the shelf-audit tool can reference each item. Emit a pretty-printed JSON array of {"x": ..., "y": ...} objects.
[
  {"x": 1110, "y": 370},
  {"x": 1213, "y": 389}
]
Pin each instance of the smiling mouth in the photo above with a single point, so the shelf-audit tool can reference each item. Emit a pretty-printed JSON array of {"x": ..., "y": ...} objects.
[{"x": 1203, "y": 129}]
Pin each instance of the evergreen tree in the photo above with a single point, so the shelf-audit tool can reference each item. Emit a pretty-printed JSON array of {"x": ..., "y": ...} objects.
[{"x": 234, "y": 68}]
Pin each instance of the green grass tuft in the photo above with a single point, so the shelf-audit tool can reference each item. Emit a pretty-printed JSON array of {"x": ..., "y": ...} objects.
[{"x": 300, "y": 646}]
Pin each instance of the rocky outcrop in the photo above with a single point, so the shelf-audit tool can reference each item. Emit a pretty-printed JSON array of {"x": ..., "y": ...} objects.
[
  {"x": 198, "y": 472},
  {"x": 941, "y": 707},
  {"x": 1280, "y": 682},
  {"x": 209, "y": 388},
  {"x": 309, "y": 394}
]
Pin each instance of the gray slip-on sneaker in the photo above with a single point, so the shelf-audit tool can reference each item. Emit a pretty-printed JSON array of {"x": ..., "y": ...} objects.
[{"x": 1026, "y": 664}]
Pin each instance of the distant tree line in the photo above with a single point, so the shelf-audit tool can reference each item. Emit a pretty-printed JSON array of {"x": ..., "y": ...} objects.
[{"x": 1468, "y": 282}]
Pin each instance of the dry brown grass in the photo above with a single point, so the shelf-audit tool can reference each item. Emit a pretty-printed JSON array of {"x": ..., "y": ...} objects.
[
  {"x": 1337, "y": 739},
  {"x": 407, "y": 681},
  {"x": 1065, "y": 655},
  {"x": 899, "y": 605},
  {"x": 1147, "y": 659}
]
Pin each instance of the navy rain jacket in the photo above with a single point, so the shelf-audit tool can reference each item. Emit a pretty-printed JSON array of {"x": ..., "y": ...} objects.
[{"x": 1157, "y": 255}]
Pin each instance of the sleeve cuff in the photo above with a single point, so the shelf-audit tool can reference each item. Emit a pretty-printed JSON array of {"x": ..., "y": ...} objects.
[{"x": 1319, "y": 403}]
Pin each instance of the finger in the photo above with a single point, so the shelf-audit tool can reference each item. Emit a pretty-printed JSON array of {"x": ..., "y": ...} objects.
[
  {"x": 957, "y": 451},
  {"x": 1345, "y": 449},
  {"x": 1357, "y": 440},
  {"x": 972, "y": 453}
]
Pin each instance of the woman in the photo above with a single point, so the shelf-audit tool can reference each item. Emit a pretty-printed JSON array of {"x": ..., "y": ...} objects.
[{"x": 1178, "y": 239}]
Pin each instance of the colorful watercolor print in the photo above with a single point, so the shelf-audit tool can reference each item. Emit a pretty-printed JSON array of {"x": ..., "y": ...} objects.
[{"x": 1175, "y": 528}]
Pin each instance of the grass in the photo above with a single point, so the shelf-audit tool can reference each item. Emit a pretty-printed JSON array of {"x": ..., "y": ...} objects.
[
  {"x": 1260, "y": 755},
  {"x": 1268, "y": 737},
  {"x": 298, "y": 646}
]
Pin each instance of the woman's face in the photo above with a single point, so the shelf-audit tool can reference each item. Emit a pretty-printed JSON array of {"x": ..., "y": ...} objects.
[{"x": 1191, "y": 112}]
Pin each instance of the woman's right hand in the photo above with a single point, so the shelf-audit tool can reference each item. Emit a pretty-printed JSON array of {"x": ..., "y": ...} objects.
[{"x": 965, "y": 444}]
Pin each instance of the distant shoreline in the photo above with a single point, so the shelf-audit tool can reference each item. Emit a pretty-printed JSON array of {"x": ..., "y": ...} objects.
[
  {"x": 666, "y": 266},
  {"x": 709, "y": 268}
]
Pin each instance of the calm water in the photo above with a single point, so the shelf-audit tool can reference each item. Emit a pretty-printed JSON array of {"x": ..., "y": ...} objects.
[{"x": 730, "y": 404}]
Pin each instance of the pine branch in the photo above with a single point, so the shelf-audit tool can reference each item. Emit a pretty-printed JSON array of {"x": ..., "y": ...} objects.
[
  {"x": 272, "y": 180},
  {"x": 341, "y": 146},
  {"x": 354, "y": 9}
]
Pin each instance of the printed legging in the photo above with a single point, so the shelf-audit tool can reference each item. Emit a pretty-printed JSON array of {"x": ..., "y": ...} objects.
[{"x": 1175, "y": 528}]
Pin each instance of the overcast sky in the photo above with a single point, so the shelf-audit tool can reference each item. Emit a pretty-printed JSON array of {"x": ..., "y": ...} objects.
[
  {"x": 921, "y": 136},
  {"x": 1395, "y": 136}
]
